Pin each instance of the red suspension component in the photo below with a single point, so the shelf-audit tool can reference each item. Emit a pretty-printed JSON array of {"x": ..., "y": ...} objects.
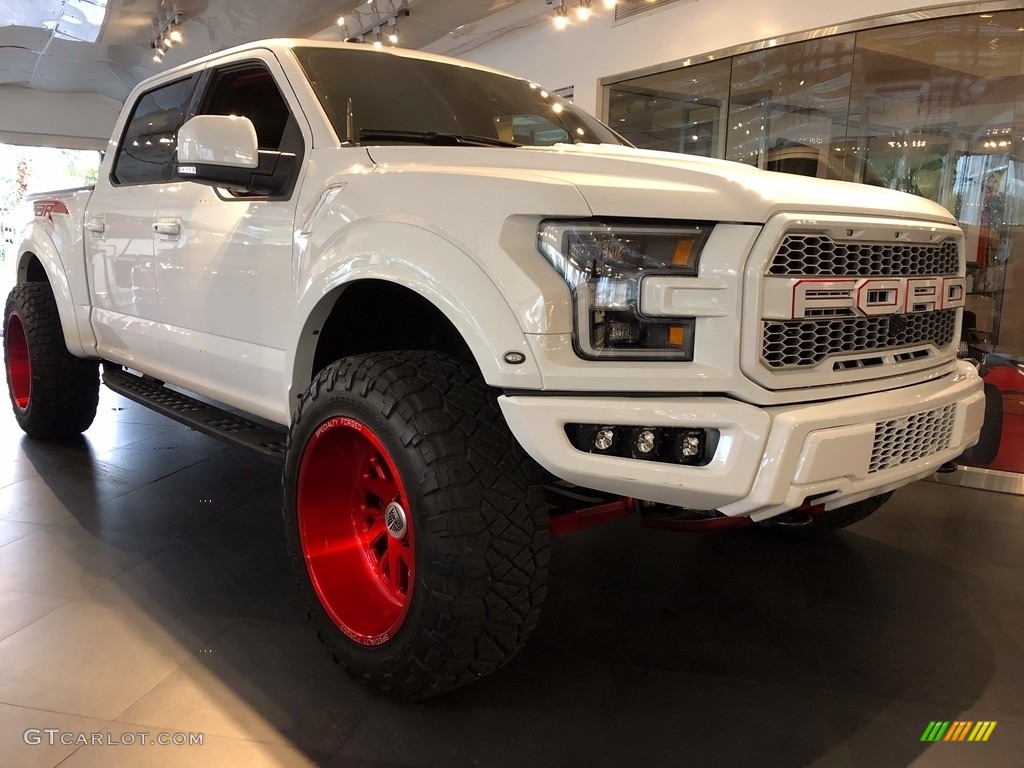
[{"x": 562, "y": 522}]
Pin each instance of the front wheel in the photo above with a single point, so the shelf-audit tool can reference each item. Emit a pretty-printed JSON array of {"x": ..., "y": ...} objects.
[
  {"x": 53, "y": 393},
  {"x": 416, "y": 524}
]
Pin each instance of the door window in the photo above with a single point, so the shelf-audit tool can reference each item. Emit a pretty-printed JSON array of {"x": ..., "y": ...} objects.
[
  {"x": 147, "y": 148},
  {"x": 248, "y": 90}
]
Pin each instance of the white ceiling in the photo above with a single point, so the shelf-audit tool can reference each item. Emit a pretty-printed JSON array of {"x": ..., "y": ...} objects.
[{"x": 35, "y": 51}]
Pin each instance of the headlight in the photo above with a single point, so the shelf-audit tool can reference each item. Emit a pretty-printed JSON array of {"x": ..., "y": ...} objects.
[{"x": 604, "y": 264}]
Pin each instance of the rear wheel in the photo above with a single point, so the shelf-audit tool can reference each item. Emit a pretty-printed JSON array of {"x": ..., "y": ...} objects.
[
  {"x": 53, "y": 393},
  {"x": 416, "y": 524}
]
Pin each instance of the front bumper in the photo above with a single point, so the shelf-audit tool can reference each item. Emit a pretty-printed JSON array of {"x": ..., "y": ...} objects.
[{"x": 768, "y": 460}]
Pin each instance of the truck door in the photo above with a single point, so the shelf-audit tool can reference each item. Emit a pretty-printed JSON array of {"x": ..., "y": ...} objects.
[
  {"x": 119, "y": 225},
  {"x": 224, "y": 260}
]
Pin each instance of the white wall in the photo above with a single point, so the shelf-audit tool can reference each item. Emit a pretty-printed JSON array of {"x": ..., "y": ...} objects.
[
  {"x": 581, "y": 55},
  {"x": 42, "y": 118}
]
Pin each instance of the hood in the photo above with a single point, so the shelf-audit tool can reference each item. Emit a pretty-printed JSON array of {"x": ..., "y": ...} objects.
[{"x": 622, "y": 181}]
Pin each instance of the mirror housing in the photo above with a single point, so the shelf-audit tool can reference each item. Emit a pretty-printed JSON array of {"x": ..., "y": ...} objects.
[{"x": 223, "y": 151}]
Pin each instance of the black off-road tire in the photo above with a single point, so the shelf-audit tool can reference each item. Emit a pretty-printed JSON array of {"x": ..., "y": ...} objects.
[
  {"x": 58, "y": 394},
  {"x": 984, "y": 453},
  {"x": 475, "y": 509}
]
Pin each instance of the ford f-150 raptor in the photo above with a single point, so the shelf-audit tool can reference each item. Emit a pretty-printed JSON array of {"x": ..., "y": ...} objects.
[{"x": 452, "y": 302}]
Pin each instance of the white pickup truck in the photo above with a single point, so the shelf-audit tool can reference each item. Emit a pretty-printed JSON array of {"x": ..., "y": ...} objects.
[{"x": 467, "y": 315}]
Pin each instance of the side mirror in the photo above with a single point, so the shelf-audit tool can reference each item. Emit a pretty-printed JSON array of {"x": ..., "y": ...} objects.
[{"x": 222, "y": 151}]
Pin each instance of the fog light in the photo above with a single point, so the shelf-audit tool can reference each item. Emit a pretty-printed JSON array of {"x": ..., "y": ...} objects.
[
  {"x": 604, "y": 439},
  {"x": 689, "y": 446},
  {"x": 669, "y": 445},
  {"x": 645, "y": 441}
]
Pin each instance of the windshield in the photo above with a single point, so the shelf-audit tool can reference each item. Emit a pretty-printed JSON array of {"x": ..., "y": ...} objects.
[{"x": 376, "y": 92}]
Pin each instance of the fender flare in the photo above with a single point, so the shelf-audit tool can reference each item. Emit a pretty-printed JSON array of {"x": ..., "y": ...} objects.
[
  {"x": 36, "y": 243},
  {"x": 424, "y": 262}
]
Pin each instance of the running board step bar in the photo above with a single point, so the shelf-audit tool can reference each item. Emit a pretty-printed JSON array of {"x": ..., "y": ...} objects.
[{"x": 202, "y": 417}]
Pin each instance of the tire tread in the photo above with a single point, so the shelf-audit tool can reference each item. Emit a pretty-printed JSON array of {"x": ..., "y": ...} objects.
[
  {"x": 65, "y": 388},
  {"x": 487, "y": 520}
]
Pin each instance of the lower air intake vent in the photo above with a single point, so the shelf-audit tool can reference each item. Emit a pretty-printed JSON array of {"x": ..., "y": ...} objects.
[{"x": 911, "y": 438}]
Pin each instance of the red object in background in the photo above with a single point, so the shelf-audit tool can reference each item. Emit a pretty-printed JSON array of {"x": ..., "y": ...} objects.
[{"x": 1009, "y": 379}]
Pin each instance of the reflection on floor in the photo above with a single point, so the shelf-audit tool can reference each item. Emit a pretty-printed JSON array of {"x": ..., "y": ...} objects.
[
  {"x": 144, "y": 588},
  {"x": 1009, "y": 379}
]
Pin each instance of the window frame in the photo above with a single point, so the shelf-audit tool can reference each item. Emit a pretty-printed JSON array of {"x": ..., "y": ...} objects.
[{"x": 189, "y": 111}]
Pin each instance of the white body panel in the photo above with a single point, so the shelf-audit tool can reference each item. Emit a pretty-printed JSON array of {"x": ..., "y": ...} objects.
[
  {"x": 768, "y": 461},
  {"x": 227, "y": 296}
]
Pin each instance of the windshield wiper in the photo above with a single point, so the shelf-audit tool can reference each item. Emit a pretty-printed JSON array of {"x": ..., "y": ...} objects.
[{"x": 433, "y": 138}]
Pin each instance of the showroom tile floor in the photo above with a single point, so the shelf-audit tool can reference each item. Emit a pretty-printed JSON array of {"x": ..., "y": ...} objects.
[{"x": 144, "y": 587}]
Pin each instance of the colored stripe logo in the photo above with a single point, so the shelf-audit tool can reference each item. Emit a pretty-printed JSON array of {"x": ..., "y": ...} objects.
[{"x": 958, "y": 730}]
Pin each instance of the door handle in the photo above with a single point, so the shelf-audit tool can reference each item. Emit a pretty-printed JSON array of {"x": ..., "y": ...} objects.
[
  {"x": 95, "y": 225},
  {"x": 169, "y": 227}
]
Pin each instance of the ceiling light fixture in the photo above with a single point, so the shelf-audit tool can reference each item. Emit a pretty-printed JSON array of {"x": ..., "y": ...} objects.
[
  {"x": 561, "y": 16},
  {"x": 583, "y": 10},
  {"x": 368, "y": 22},
  {"x": 610, "y": 4},
  {"x": 167, "y": 33}
]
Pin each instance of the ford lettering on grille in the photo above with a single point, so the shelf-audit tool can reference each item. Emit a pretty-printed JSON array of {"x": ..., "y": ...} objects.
[
  {"x": 875, "y": 296},
  {"x": 832, "y": 306}
]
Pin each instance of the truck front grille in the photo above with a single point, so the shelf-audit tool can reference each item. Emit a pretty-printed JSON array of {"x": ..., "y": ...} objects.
[
  {"x": 819, "y": 254},
  {"x": 805, "y": 343},
  {"x": 911, "y": 438}
]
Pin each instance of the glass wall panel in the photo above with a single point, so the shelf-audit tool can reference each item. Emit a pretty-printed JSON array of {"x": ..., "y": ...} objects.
[
  {"x": 788, "y": 107},
  {"x": 683, "y": 110},
  {"x": 933, "y": 112},
  {"x": 934, "y": 108}
]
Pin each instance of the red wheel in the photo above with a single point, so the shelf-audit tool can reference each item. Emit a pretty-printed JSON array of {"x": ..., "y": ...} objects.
[
  {"x": 53, "y": 393},
  {"x": 355, "y": 531},
  {"x": 416, "y": 524},
  {"x": 19, "y": 366}
]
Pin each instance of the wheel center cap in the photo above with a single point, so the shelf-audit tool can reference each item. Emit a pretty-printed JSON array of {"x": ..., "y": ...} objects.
[{"x": 395, "y": 520}]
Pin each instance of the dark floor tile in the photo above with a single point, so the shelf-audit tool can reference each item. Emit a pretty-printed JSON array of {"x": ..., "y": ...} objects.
[
  {"x": 652, "y": 717},
  {"x": 970, "y": 541},
  {"x": 951, "y": 664},
  {"x": 261, "y": 682},
  {"x": 735, "y": 637},
  {"x": 255, "y": 521},
  {"x": 866, "y": 569},
  {"x": 886, "y": 733},
  {"x": 200, "y": 577},
  {"x": 930, "y": 499},
  {"x": 342, "y": 760},
  {"x": 185, "y": 502},
  {"x": 998, "y": 589}
]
